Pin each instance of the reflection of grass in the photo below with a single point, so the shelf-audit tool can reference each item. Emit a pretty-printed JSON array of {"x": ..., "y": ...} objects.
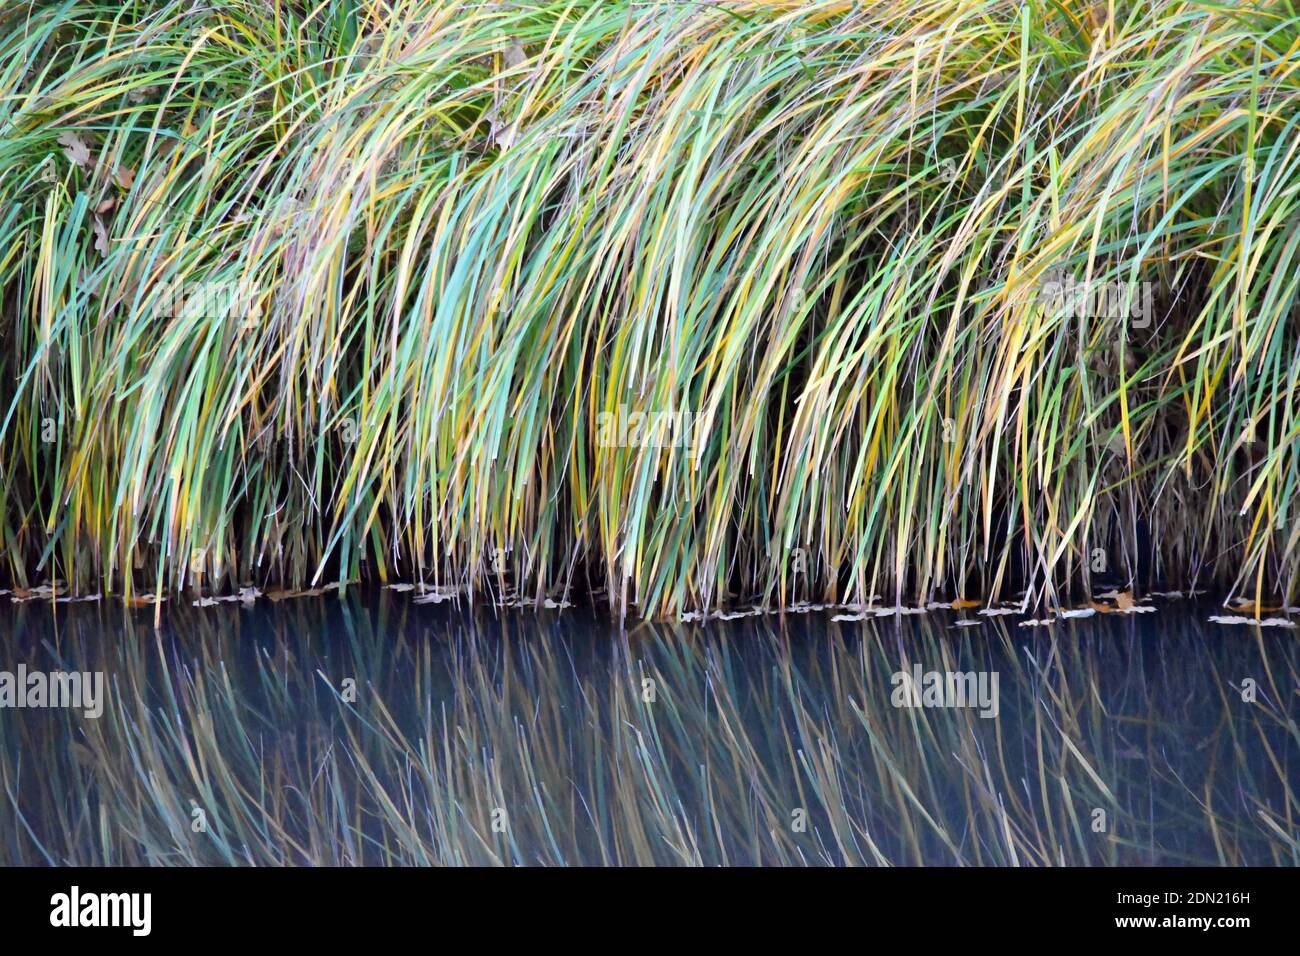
[
  {"x": 473, "y": 228},
  {"x": 456, "y": 717}
]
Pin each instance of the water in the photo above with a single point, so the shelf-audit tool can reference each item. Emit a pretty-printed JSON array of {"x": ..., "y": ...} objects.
[{"x": 233, "y": 736}]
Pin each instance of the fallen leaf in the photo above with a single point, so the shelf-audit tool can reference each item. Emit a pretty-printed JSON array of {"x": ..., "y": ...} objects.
[
  {"x": 31, "y": 594},
  {"x": 961, "y": 604},
  {"x": 75, "y": 148},
  {"x": 1250, "y": 607},
  {"x": 245, "y": 595},
  {"x": 802, "y": 607},
  {"x": 502, "y": 135},
  {"x": 1136, "y": 609},
  {"x": 280, "y": 594},
  {"x": 734, "y": 615},
  {"x": 868, "y": 605},
  {"x": 1266, "y": 622},
  {"x": 437, "y": 594},
  {"x": 515, "y": 56},
  {"x": 101, "y": 238}
]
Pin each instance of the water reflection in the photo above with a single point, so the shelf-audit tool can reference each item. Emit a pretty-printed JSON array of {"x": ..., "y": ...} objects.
[{"x": 370, "y": 730}]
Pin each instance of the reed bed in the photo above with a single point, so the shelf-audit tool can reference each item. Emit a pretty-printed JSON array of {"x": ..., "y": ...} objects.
[
  {"x": 353, "y": 290},
  {"x": 527, "y": 740}
]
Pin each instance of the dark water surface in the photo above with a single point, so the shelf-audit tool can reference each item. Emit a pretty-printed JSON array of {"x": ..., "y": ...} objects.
[{"x": 372, "y": 730}]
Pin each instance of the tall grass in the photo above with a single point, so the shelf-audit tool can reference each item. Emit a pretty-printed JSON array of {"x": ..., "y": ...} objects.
[{"x": 471, "y": 229}]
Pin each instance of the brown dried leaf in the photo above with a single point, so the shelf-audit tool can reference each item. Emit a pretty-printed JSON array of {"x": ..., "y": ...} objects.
[
  {"x": 1246, "y": 606},
  {"x": 280, "y": 594},
  {"x": 75, "y": 148}
]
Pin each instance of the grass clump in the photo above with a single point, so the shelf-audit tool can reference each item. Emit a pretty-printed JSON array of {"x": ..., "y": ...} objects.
[{"x": 296, "y": 291}]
